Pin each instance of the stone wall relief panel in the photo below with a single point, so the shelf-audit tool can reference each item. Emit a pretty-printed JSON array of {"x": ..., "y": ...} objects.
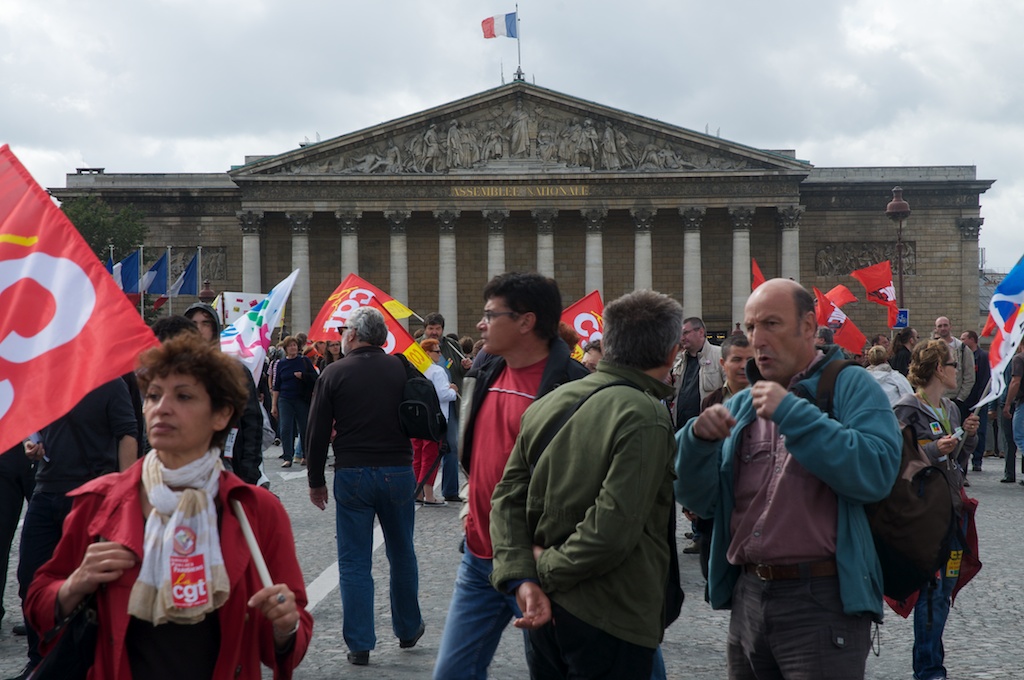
[
  {"x": 518, "y": 135},
  {"x": 839, "y": 259}
]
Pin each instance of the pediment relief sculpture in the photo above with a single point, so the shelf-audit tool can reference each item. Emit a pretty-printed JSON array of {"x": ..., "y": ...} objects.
[{"x": 515, "y": 137}]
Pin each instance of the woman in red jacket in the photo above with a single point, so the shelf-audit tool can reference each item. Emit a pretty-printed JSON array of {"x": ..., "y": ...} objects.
[{"x": 177, "y": 591}]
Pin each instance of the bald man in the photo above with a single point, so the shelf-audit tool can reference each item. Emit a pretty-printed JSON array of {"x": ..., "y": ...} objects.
[{"x": 786, "y": 489}]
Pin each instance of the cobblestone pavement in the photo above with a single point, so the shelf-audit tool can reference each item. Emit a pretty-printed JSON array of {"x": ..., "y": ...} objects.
[{"x": 981, "y": 636}]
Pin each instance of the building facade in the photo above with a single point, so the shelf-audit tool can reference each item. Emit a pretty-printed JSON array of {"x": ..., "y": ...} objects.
[{"x": 430, "y": 206}]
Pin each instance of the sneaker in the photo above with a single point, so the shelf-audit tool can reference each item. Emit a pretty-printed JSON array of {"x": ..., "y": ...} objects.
[
  {"x": 692, "y": 549},
  {"x": 1007, "y": 480},
  {"x": 359, "y": 658},
  {"x": 286, "y": 464},
  {"x": 453, "y": 499},
  {"x": 688, "y": 535},
  {"x": 20, "y": 629},
  {"x": 411, "y": 642},
  {"x": 434, "y": 503},
  {"x": 277, "y": 441},
  {"x": 975, "y": 468}
]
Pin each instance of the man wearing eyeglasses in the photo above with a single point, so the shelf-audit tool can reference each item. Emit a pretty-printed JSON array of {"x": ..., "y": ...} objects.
[
  {"x": 697, "y": 371},
  {"x": 526, "y": 359}
]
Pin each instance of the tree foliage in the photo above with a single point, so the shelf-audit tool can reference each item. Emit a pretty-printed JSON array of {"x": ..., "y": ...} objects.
[{"x": 101, "y": 226}]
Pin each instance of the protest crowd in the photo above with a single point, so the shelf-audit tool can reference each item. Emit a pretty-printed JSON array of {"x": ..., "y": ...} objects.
[{"x": 151, "y": 526}]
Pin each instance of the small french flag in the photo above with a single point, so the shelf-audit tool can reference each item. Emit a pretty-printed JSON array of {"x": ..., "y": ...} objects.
[{"x": 503, "y": 24}]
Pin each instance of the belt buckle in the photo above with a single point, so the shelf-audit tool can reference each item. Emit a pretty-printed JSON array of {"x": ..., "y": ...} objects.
[{"x": 763, "y": 572}]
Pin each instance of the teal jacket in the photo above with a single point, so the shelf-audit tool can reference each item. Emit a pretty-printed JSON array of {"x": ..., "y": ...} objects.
[
  {"x": 856, "y": 453},
  {"x": 598, "y": 499}
]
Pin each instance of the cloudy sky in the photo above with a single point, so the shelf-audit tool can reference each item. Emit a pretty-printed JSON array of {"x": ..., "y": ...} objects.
[{"x": 196, "y": 85}]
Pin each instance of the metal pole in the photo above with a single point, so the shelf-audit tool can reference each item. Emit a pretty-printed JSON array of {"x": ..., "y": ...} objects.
[
  {"x": 899, "y": 260},
  {"x": 142, "y": 294},
  {"x": 519, "y": 47}
]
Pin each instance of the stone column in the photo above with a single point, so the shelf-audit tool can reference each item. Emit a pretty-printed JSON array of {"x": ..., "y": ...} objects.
[
  {"x": 643, "y": 220},
  {"x": 788, "y": 219},
  {"x": 693, "y": 289},
  {"x": 970, "y": 229},
  {"x": 545, "y": 219},
  {"x": 594, "y": 256},
  {"x": 399, "y": 257},
  {"x": 299, "y": 223},
  {"x": 495, "y": 241},
  {"x": 742, "y": 219},
  {"x": 447, "y": 269},
  {"x": 252, "y": 231},
  {"x": 348, "y": 223}
]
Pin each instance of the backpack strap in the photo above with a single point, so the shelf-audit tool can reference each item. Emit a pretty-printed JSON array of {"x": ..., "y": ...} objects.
[
  {"x": 827, "y": 383},
  {"x": 548, "y": 434}
]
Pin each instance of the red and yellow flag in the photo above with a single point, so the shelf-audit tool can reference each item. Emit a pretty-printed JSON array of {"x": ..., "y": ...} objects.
[
  {"x": 400, "y": 341},
  {"x": 65, "y": 327},
  {"x": 585, "y": 317},
  {"x": 353, "y": 293}
]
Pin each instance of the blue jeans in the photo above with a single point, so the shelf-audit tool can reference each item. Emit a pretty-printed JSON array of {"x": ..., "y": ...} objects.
[
  {"x": 40, "y": 534},
  {"x": 294, "y": 413},
  {"x": 928, "y": 650},
  {"x": 477, "y": 616},
  {"x": 360, "y": 494},
  {"x": 1018, "y": 428},
  {"x": 450, "y": 460}
]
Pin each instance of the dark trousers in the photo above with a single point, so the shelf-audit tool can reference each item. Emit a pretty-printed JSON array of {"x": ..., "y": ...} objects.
[
  {"x": 794, "y": 630},
  {"x": 569, "y": 649},
  {"x": 17, "y": 478},
  {"x": 1010, "y": 449},
  {"x": 44, "y": 525}
]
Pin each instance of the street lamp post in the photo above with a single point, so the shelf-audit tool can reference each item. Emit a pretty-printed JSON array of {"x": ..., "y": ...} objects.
[{"x": 897, "y": 211}]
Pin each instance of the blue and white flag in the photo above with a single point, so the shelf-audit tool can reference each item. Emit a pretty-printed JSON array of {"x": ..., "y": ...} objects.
[
  {"x": 126, "y": 273},
  {"x": 155, "y": 280},
  {"x": 1004, "y": 310}
]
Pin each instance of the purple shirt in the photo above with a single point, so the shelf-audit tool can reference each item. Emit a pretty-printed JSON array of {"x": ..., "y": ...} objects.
[{"x": 783, "y": 513}]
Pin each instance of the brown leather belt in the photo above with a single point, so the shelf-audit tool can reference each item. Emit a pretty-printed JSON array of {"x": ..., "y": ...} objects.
[{"x": 791, "y": 572}]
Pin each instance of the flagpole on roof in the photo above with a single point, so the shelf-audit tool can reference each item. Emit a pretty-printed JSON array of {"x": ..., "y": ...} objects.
[
  {"x": 519, "y": 48},
  {"x": 168, "y": 288},
  {"x": 199, "y": 267}
]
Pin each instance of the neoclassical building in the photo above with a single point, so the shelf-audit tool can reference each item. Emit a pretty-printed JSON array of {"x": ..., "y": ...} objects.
[{"x": 429, "y": 206}]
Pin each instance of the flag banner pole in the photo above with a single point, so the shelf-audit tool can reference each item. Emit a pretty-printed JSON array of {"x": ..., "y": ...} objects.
[
  {"x": 169, "y": 308},
  {"x": 142, "y": 293}
]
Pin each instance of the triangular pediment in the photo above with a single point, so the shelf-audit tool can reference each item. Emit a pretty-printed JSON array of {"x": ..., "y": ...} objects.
[{"x": 520, "y": 128}]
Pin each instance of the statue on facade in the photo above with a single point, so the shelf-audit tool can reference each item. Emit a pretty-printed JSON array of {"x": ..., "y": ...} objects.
[
  {"x": 455, "y": 155},
  {"x": 494, "y": 143},
  {"x": 547, "y": 143},
  {"x": 519, "y": 123},
  {"x": 627, "y": 158},
  {"x": 609, "y": 152}
]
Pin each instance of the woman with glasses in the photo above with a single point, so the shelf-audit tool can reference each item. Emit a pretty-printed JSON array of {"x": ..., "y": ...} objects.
[
  {"x": 332, "y": 353},
  {"x": 935, "y": 421},
  {"x": 424, "y": 451}
]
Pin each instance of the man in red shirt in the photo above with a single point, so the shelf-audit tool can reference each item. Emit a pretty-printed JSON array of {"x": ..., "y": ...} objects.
[{"x": 526, "y": 359}]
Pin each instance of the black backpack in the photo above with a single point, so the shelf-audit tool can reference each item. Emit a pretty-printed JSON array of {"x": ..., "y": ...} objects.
[
  {"x": 913, "y": 527},
  {"x": 420, "y": 411}
]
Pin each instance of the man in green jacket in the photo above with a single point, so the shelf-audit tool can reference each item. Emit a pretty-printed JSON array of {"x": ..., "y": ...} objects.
[{"x": 580, "y": 528}]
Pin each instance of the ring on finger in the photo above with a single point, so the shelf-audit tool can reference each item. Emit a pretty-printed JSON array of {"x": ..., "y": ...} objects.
[{"x": 281, "y": 599}]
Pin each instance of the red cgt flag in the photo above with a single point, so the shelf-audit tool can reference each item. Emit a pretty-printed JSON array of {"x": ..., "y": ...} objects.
[
  {"x": 847, "y": 335},
  {"x": 353, "y": 293},
  {"x": 877, "y": 282},
  {"x": 586, "y": 318},
  {"x": 65, "y": 327}
]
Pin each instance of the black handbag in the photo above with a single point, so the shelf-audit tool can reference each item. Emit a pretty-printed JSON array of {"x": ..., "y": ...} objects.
[{"x": 75, "y": 651}]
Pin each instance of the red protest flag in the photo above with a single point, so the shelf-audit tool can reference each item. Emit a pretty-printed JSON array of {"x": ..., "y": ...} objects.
[
  {"x": 351, "y": 294},
  {"x": 877, "y": 282},
  {"x": 65, "y": 327},
  {"x": 757, "y": 277},
  {"x": 846, "y": 333},
  {"x": 841, "y": 295},
  {"x": 585, "y": 316}
]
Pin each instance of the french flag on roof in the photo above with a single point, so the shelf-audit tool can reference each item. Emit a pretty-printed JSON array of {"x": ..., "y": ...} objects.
[{"x": 503, "y": 24}]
